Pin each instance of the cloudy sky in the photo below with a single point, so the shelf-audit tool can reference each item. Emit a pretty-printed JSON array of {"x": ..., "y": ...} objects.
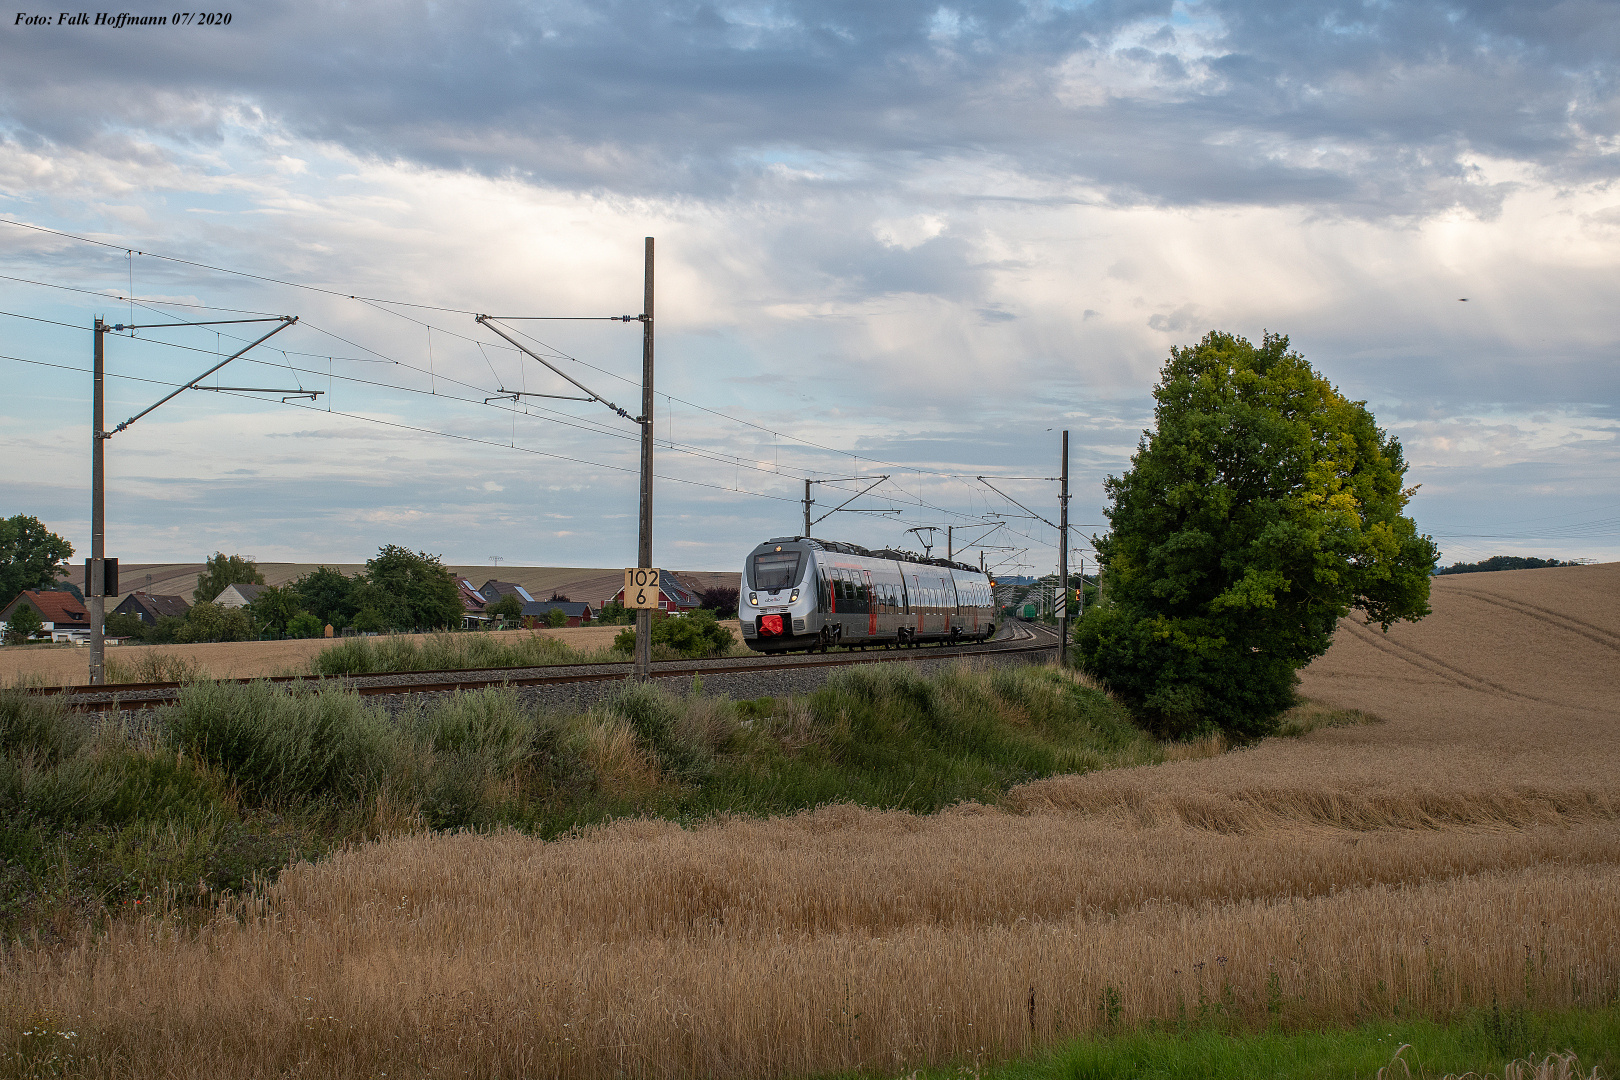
[{"x": 904, "y": 239}]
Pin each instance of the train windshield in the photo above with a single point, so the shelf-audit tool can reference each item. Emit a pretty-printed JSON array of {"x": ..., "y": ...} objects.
[{"x": 776, "y": 569}]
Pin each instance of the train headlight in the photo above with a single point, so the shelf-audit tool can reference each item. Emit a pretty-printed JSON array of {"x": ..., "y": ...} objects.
[
  {"x": 794, "y": 599},
  {"x": 753, "y": 598}
]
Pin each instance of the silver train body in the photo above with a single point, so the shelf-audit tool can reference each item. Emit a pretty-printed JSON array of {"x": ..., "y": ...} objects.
[{"x": 801, "y": 593}]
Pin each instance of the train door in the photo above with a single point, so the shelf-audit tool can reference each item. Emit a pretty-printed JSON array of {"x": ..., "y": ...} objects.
[
  {"x": 871, "y": 605},
  {"x": 919, "y": 602}
]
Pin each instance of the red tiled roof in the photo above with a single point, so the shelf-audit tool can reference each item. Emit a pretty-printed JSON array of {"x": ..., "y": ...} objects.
[{"x": 60, "y": 608}]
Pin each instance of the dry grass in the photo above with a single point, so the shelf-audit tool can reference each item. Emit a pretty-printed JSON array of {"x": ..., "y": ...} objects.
[
  {"x": 64, "y": 665},
  {"x": 1465, "y": 852},
  {"x": 837, "y": 939}
]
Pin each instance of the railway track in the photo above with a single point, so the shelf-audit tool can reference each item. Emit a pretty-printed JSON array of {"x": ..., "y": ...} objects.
[{"x": 1023, "y": 639}]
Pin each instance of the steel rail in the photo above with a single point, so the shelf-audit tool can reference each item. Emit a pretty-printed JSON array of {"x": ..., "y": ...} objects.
[{"x": 110, "y": 697}]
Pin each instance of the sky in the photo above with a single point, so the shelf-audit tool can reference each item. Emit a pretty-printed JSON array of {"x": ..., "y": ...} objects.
[{"x": 904, "y": 240}]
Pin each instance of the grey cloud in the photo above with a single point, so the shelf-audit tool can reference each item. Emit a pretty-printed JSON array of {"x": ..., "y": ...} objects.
[
  {"x": 1367, "y": 108},
  {"x": 1182, "y": 319}
]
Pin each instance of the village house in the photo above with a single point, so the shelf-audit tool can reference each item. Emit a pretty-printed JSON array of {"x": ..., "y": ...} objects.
[
  {"x": 65, "y": 616},
  {"x": 535, "y": 612},
  {"x": 673, "y": 595},
  {"x": 238, "y": 596},
  {"x": 149, "y": 608},
  {"x": 472, "y": 605}
]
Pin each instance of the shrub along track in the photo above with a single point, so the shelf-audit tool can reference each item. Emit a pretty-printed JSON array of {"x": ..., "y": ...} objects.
[{"x": 1021, "y": 640}]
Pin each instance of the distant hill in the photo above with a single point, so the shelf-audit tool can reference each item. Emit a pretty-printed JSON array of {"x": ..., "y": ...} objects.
[{"x": 1507, "y": 562}]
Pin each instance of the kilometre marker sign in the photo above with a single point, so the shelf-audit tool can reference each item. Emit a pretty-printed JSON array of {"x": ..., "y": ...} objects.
[{"x": 641, "y": 587}]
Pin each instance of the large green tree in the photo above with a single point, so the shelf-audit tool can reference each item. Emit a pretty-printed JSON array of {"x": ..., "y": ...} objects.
[
  {"x": 1262, "y": 508},
  {"x": 31, "y": 556},
  {"x": 224, "y": 570},
  {"x": 407, "y": 590}
]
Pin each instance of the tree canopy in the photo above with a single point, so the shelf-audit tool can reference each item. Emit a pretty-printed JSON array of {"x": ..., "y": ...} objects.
[
  {"x": 507, "y": 607},
  {"x": 222, "y": 571},
  {"x": 31, "y": 556},
  {"x": 328, "y": 595},
  {"x": 1262, "y": 508},
  {"x": 275, "y": 607},
  {"x": 406, "y": 590},
  {"x": 23, "y": 625}
]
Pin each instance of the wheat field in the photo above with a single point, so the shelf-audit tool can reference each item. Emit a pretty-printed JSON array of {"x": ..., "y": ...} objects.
[{"x": 1464, "y": 851}]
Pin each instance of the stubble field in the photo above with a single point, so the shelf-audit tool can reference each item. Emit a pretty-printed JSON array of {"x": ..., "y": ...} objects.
[{"x": 1460, "y": 853}]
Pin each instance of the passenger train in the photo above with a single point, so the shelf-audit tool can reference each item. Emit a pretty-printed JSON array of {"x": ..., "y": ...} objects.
[{"x": 802, "y": 593}]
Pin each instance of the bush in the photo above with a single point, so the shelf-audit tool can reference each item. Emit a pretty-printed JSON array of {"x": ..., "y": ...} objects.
[
  {"x": 556, "y": 618},
  {"x": 24, "y": 624},
  {"x": 614, "y": 613},
  {"x": 305, "y": 625},
  {"x": 692, "y": 636},
  {"x": 126, "y": 626},
  {"x": 210, "y": 622},
  {"x": 507, "y": 607},
  {"x": 279, "y": 745}
]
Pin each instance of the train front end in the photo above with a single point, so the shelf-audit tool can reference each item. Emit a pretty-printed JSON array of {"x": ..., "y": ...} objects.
[{"x": 777, "y": 603}]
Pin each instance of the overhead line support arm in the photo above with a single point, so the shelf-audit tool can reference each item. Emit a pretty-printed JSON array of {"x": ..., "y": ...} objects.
[
  {"x": 489, "y": 324},
  {"x": 1014, "y": 501},
  {"x": 286, "y": 321}
]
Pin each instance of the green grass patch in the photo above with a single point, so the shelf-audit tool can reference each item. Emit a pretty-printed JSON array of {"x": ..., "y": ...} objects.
[
  {"x": 689, "y": 637},
  {"x": 443, "y": 652},
  {"x": 237, "y": 778},
  {"x": 1482, "y": 1043}
]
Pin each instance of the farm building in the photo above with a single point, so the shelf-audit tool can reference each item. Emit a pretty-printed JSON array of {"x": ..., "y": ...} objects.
[
  {"x": 65, "y": 616},
  {"x": 238, "y": 596},
  {"x": 149, "y": 609}
]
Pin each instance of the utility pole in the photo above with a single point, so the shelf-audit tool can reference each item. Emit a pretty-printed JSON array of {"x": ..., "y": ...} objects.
[
  {"x": 643, "y": 659},
  {"x": 950, "y": 551},
  {"x": 95, "y": 588},
  {"x": 807, "y": 503},
  {"x": 1063, "y": 554}
]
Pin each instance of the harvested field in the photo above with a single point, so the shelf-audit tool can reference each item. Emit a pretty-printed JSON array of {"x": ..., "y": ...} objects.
[
  {"x": 1463, "y": 852},
  {"x": 58, "y": 665}
]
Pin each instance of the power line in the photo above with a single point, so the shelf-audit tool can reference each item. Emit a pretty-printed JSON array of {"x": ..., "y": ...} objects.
[
  {"x": 426, "y": 431},
  {"x": 462, "y": 311},
  {"x": 227, "y": 270},
  {"x": 593, "y": 427},
  {"x": 373, "y": 301},
  {"x": 127, "y": 299}
]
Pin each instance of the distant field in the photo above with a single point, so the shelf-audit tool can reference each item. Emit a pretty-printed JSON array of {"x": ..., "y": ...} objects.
[
  {"x": 56, "y": 665},
  {"x": 1462, "y": 855}
]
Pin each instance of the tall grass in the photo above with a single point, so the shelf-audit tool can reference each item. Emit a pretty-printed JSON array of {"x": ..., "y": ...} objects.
[
  {"x": 315, "y": 767},
  {"x": 840, "y": 939},
  {"x": 152, "y": 667},
  {"x": 444, "y": 652}
]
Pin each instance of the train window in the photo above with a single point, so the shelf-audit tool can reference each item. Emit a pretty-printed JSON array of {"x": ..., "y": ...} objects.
[{"x": 775, "y": 569}]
